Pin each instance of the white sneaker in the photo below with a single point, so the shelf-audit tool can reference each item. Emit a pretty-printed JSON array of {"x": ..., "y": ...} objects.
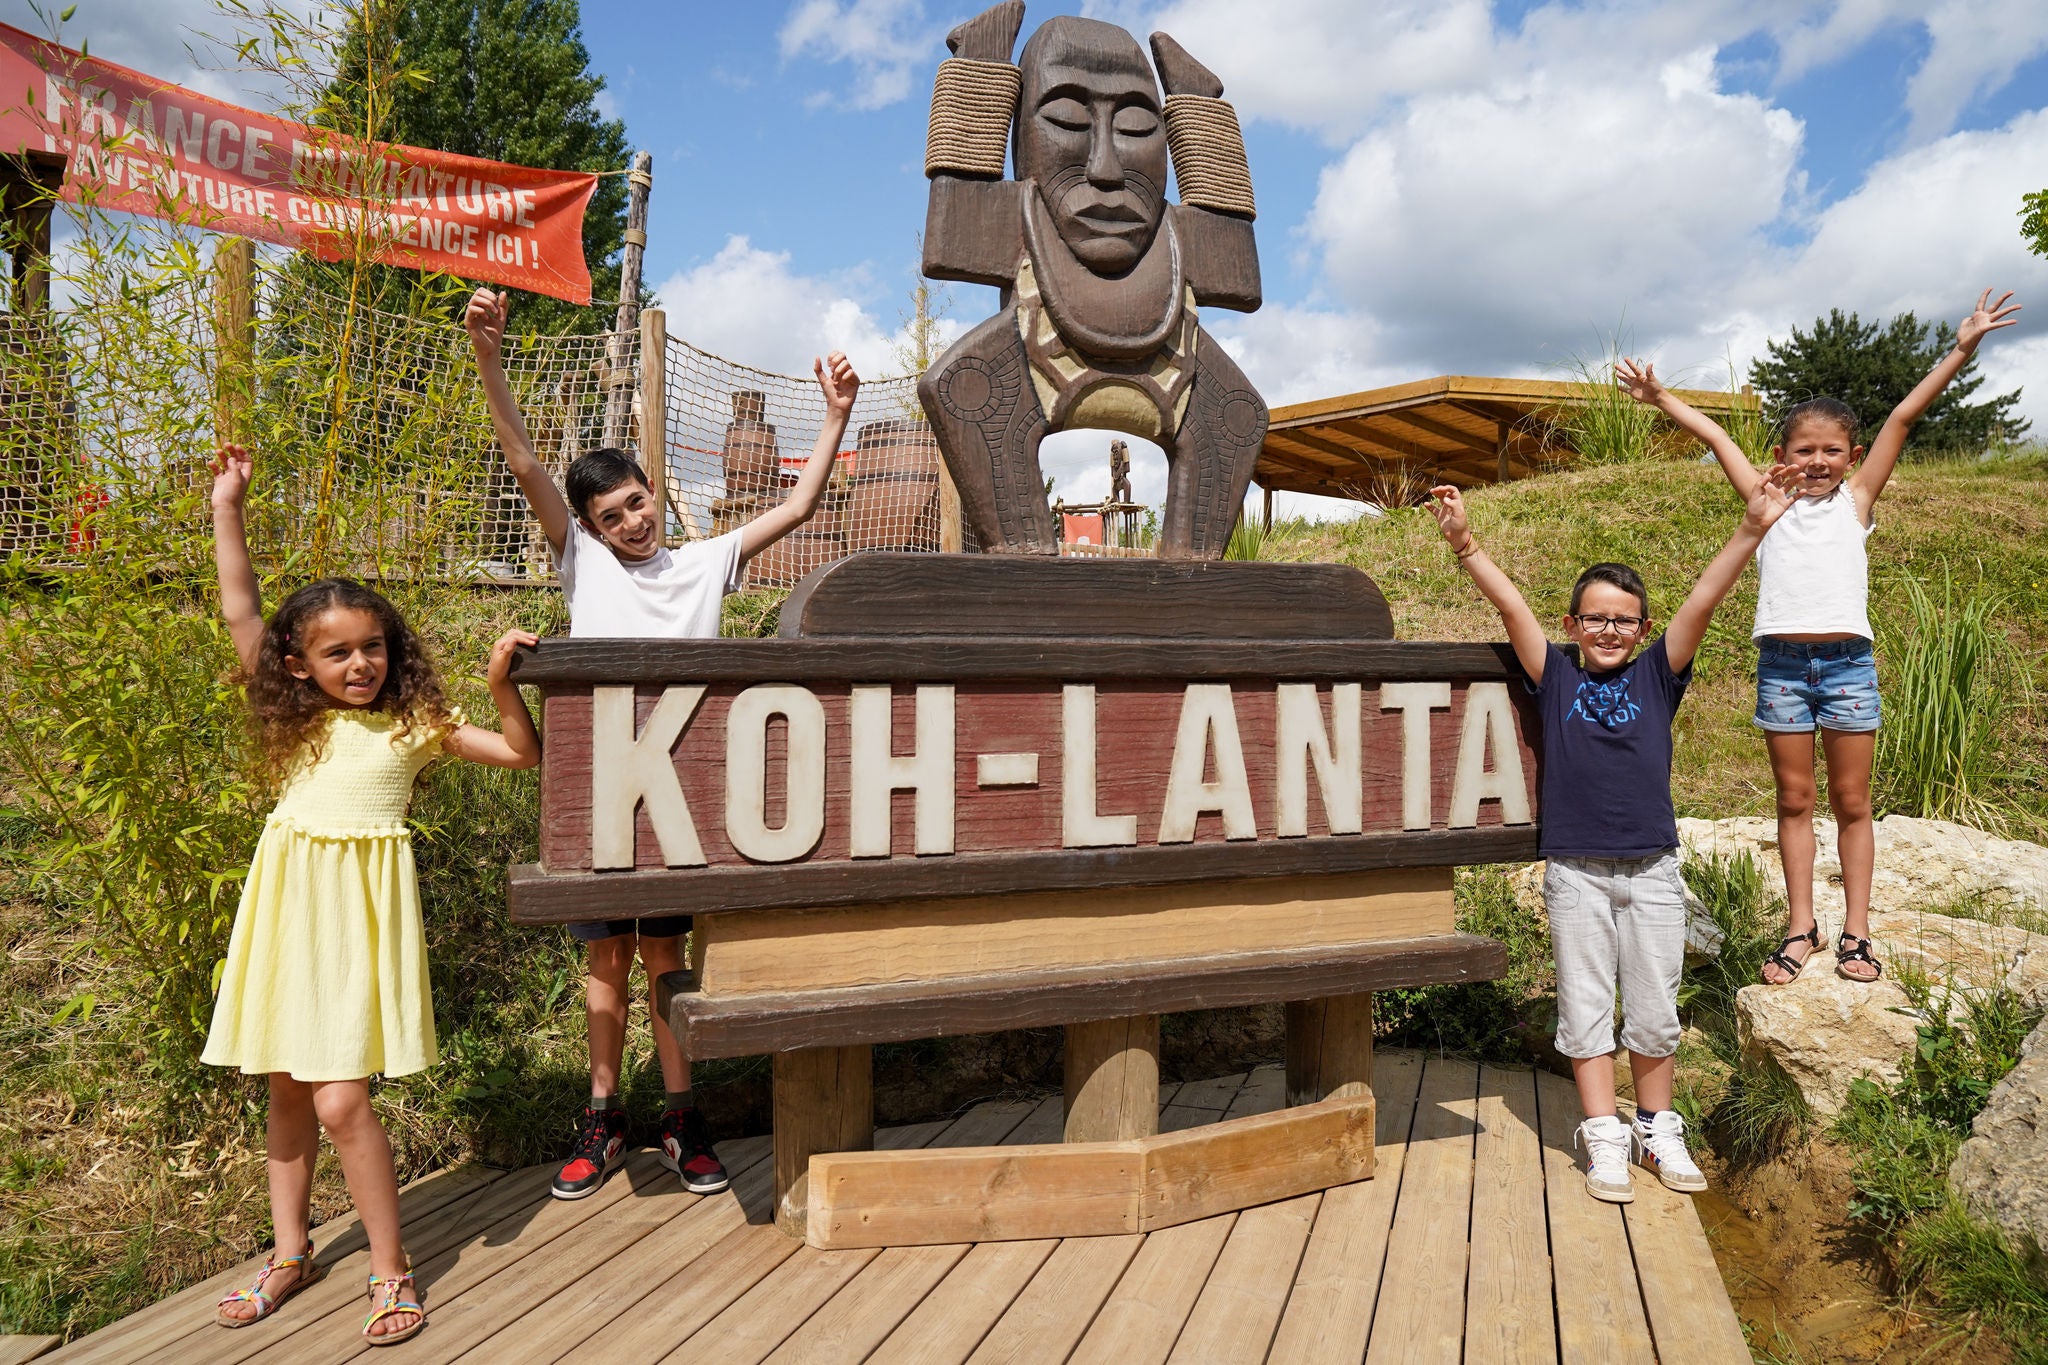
[
  {"x": 1660, "y": 1147},
  {"x": 1606, "y": 1140}
]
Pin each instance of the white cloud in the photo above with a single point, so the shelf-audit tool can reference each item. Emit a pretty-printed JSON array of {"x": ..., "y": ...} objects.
[
  {"x": 164, "y": 38},
  {"x": 1976, "y": 46},
  {"x": 887, "y": 42}
]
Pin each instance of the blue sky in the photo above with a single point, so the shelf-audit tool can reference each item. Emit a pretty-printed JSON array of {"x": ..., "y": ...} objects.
[{"x": 1444, "y": 185}]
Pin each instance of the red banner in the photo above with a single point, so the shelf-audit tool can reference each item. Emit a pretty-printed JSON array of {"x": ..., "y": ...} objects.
[{"x": 141, "y": 145}]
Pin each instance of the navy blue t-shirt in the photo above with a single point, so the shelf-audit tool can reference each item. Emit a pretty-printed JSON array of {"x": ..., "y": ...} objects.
[{"x": 1607, "y": 756}]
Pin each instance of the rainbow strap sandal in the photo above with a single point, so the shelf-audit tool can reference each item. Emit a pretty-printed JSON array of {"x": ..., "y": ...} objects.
[
  {"x": 309, "y": 1274},
  {"x": 399, "y": 1296}
]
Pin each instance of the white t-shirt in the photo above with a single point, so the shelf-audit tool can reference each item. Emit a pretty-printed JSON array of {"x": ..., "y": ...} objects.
[
  {"x": 1813, "y": 574},
  {"x": 672, "y": 595}
]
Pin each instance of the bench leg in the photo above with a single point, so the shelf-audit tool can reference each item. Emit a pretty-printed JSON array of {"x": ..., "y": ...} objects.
[
  {"x": 824, "y": 1101},
  {"x": 1329, "y": 1048},
  {"x": 1113, "y": 1079}
]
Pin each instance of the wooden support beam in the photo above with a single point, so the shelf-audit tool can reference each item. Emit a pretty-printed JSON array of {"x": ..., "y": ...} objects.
[
  {"x": 654, "y": 410},
  {"x": 1503, "y": 438},
  {"x": 1091, "y": 1189},
  {"x": 234, "y": 338},
  {"x": 1112, "y": 1068},
  {"x": 1463, "y": 440},
  {"x": 1329, "y": 1048},
  {"x": 824, "y": 1101},
  {"x": 618, "y": 406}
]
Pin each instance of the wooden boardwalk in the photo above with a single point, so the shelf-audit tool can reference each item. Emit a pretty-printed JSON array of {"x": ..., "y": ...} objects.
[{"x": 1475, "y": 1242}]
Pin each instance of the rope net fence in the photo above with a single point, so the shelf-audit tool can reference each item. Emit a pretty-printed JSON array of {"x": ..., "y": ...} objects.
[{"x": 374, "y": 446}]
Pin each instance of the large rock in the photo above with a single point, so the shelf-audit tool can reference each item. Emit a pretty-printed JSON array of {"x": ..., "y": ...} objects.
[
  {"x": 1823, "y": 1032},
  {"x": 2001, "y": 1173}
]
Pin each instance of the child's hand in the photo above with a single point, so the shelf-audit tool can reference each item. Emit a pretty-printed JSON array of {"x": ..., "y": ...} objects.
[
  {"x": 1988, "y": 317},
  {"x": 1448, "y": 506},
  {"x": 232, "y": 467},
  {"x": 1638, "y": 381},
  {"x": 500, "y": 668},
  {"x": 839, "y": 382},
  {"x": 1772, "y": 497},
  {"x": 485, "y": 321}
]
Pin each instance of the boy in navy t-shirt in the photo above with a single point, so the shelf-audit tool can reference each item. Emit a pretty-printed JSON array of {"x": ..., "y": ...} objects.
[{"x": 1612, "y": 887}]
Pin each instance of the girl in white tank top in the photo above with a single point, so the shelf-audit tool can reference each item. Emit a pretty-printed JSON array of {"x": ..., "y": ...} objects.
[{"x": 1815, "y": 669}]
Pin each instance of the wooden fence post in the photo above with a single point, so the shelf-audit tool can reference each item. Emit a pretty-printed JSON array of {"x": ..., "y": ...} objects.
[
  {"x": 618, "y": 408},
  {"x": 234, "y": 338},
  {"x": 654, "y": 410}
]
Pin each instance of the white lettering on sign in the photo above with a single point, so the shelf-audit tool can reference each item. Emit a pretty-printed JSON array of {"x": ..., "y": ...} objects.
[
  {"x": 1208, "y": 727},
  {"x": 1415, "y": 701},
  {"x": 1300, "y": 740},
  {"x": 879, "y": 772},
  {"x": 1080, "y": 825},
  {"x": 1489, "y": 721},
  {"x": 746, "y": 773},
  {"x": 1006, "y": 770},
  {"x": 626, "y": 769}
]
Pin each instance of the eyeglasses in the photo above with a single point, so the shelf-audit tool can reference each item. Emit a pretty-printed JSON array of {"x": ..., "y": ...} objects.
[{"x": 1622, "y": 625}]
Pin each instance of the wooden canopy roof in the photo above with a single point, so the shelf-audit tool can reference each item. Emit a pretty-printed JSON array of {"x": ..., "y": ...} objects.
[{"x": 1388, "y": 445}]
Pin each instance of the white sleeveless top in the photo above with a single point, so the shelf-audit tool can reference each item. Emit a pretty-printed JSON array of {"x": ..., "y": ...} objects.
[{"x": 1813, "y": 576}]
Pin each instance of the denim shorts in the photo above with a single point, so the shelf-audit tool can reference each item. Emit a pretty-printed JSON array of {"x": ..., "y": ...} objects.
[
  {"x": 655, "y": 926},
  {"x": 1830, "y": 684}
]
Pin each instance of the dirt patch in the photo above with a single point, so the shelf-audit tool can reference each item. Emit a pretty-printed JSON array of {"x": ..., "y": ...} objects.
[{"x": 1811, "y": 1285}]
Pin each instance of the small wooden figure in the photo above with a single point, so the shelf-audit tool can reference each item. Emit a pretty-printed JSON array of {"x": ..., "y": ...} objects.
[{"x": 1101, "y": 276}]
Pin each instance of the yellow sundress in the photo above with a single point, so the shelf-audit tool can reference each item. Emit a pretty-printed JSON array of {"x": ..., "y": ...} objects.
[{"x": 326, "y": 975}]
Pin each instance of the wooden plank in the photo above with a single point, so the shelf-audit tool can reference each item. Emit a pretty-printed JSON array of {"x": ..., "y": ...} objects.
[
  {"x": 1421, "y": 1313},
  {"x": 984, "y": 1125},
  {"x": 1045, "y": 1123},
  {"x": 1508, "y": 1315},
  {"x": 748, "y": 1024},
  {"x": 1145, "y": 1313},
  {"x": 19, "y": 1350},
  {"x": 539, "y": 897},
  {"x": 1052, "y": 1312},
  {"x": 1112, "y": 1079},
  {"x": 1205, "y": 1171},
  {"x": 1691, "y": 1319},
  {"x": 1239, "y": 1307},
  {"x": 1329, "y": 1047},
  {"x": 1264, "y": 1090},
  {"x": 824, "y": 1101},
  {"x": 1199, "y": 1102},
  {"x": 927, "y": 596},
  {"x": 156, "y": 1327},
  {"x": 1330, "y": 1313},
  {"x": 553, "y": 1326},
  {"x": 861, "y": 1316},
  {"x": 835, "y": 948},
  {"x": 765, "y": 1316},
  {"x": 1599, "y": 1305},
  {"x": 975, "y": 1194},
  {"x": 953, "y": 1319}
]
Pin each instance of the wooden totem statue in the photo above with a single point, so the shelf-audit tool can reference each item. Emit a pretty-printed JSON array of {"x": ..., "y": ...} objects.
[{"x": 1101, "y": 276}]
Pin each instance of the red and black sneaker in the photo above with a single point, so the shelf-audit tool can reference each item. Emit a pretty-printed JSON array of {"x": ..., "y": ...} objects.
[
  {"x": 686, "y": 1150},
  {"x": 600, "y": 1141}
]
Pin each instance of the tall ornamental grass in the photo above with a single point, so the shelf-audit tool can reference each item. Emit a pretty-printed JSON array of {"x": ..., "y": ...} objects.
[{"x": 1953, "y": 685}]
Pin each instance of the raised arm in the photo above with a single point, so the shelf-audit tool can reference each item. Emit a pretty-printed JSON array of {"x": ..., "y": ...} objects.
[
  {"x": 1525, "y": 633},
  {"x": 484, "y": 319},
  {"x": 241, "y": 601},
  {"x": 1870, "y": 478},
  {"x": 519, "y": 745},
  {"x": 1640, "y": 383},
  {"x": 1767, "y": 502},
  {"x": 840, "y": 385}
]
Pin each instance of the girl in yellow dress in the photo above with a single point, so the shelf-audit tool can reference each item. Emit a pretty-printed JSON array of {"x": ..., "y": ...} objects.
[{"x": 326, "y": 974}]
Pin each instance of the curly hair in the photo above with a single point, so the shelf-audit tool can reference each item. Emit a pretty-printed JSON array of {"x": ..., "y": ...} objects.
[{"x": 289, "y": 715}]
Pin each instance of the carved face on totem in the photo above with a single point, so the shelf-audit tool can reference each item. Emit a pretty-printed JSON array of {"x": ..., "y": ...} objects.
[{"x": 1090, "y": 133}]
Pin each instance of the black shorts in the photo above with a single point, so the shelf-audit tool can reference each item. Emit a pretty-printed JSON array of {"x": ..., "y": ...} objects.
[{"x": 655, "y": 926}]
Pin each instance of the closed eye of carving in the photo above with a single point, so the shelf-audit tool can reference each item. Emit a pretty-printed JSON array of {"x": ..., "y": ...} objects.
[
  {"x": 1135, "y": 120},
  {"x": 1065, "y": 112}
]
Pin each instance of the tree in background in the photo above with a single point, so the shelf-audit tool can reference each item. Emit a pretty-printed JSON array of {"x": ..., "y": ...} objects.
[
  {"x": 1871, "y": 367},
  {"x": 2034, "y": 222},
  {"x": 510, "y": 80}
]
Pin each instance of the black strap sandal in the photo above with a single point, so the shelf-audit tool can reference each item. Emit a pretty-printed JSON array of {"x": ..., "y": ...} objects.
[
  {"x": 1791, "y": 965},
  {"x": 1859, "y": 953}
]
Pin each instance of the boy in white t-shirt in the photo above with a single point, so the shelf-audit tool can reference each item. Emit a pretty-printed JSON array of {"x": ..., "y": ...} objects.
[{"x": 622, "y": 581}]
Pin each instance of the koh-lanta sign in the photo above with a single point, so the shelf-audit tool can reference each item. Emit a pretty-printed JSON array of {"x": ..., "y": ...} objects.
[{"x": 735, "y": 774}]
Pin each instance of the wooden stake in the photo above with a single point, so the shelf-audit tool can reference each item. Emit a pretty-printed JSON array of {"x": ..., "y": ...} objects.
[
  {"x": 618, "y": 411},
  {"x": 1113, "y": 1079},
  {"x": 1329, "y": 1048},
  {"x": 654, "y": 411},
  {"x": 1502, "y": 431},
  {"x": 824, "y": 1101},
  {"x": 950, "y": 540},
  {"x": 234, "y": 338}
]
